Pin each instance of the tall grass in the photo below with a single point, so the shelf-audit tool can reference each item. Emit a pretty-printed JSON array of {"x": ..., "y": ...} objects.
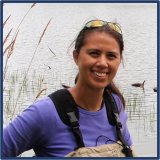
[
  {"x": 14, "y": 91},
  {"x": 9, "y": 49},
  {"x": 31, "y": 90},
  {"x": 29, "y": 66}
]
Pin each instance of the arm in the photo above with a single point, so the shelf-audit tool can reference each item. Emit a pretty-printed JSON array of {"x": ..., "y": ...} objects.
[
  {"x": 29, "y": 130},
  {"x": 20, "y": 134}
]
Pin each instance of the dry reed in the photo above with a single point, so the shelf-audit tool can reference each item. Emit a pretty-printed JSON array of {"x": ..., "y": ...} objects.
[
  {"x": 33, "y": 5},
  {"x": 4, "y": 23},
  {"x": 5, "y": 40},
  {"x": 51, "y": 51},
  {"x": 24, "y": 18},
  {"x": 25, "y": 76},
  {"x": 10, "y": 47},
  {"x": 40, "y": 92},
  {"x": 7, "y": 48},
  {"x": 10, "y": 51},
  {"x": 42, "y": 35},
  {"x": 44, "y": 32}
]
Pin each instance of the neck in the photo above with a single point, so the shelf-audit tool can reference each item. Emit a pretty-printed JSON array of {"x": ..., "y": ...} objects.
[{"x": 87, "y": 98}]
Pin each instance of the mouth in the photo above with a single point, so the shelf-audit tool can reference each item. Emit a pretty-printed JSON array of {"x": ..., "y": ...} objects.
[{"x": 100, "y": 74}]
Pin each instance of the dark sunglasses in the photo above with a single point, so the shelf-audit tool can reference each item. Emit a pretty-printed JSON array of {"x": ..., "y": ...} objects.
[{"x": 99, "y": 23}]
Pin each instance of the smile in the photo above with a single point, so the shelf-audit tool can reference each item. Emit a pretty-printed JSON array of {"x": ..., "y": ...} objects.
[{"x": 100, "y": 74}]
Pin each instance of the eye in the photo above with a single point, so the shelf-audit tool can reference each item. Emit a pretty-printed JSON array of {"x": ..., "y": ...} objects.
[
  {"x": 111, "y": 55},
  {"x": 94, "y": 53}
]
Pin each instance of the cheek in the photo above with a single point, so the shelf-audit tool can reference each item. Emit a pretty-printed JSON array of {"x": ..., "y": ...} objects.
[
  {"x": 115, "y": 66},
  {"x": 84, "y": 61},
  {"x": 83, "y": 65}
]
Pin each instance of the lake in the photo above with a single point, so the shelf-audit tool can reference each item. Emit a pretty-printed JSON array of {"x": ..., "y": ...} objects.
[{"x": 50, "y": 64}]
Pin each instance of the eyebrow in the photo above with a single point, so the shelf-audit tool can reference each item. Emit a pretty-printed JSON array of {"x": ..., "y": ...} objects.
[
  {"x": 97, "y": 50},
  {"x": 113, "y": 52}
]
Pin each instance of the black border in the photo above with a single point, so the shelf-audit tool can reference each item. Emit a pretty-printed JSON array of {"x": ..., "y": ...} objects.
[{"x": 81, "y": 1}]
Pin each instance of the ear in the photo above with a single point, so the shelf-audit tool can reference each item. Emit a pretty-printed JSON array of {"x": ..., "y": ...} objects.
[{"x": 75, "y": 56}]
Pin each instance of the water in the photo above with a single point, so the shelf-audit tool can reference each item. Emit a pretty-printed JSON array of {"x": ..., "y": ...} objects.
[{"x": 139, "y": 27}]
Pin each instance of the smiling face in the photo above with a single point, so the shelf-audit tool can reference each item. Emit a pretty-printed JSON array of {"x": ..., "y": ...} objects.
[{"x": 98, "y": 60}]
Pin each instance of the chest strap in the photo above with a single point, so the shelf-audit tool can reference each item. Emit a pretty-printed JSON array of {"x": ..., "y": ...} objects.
[
  {"x": 68, "y": 112},
  {"x": 113, "y": 106}
]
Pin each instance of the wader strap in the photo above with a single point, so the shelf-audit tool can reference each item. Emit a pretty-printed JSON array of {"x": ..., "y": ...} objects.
[
  {"x": 68, "y": 112},
  {"x": 75, "y": 128},
  {"x": 126, "y": 149}
]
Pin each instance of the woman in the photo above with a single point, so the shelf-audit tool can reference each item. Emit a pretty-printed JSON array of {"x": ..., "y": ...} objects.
[{"x": 98, "y": 54}]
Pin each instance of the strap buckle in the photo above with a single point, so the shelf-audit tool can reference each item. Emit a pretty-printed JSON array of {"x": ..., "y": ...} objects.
[
  {"x": 73, "y": 120},
  {"x": 118, "y": 123},
  {"x": 75, "y": 127}
]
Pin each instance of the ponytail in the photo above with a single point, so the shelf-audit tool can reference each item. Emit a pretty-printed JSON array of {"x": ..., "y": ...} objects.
[{"x": 114, "y": 89}]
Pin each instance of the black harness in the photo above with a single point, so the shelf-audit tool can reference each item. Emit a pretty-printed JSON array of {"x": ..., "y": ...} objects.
[{"x": 69, "y": 114}]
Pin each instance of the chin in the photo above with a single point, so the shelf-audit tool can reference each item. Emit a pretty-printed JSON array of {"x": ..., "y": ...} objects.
[{"x": 99, "y": 86}]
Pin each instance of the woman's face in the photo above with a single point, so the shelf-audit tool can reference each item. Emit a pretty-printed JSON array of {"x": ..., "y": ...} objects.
[{"x": 98, "y": 60}]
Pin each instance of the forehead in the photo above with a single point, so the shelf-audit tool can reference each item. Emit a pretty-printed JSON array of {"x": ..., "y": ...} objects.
[
  {"x": 101, "y": 38},
  {"x": 98, "y": 35}
]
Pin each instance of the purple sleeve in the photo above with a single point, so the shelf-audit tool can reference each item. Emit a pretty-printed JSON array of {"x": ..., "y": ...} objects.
[
  {"x": 123, "y": 116},
  {"x": 25, "y": 130}
]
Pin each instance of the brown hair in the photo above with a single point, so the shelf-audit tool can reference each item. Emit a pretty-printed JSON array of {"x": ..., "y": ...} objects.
[{"x": 80, "y": 42}]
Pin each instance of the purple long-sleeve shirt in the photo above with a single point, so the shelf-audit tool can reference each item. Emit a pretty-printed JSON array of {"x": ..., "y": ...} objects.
[{"x": 40, "y": 128}]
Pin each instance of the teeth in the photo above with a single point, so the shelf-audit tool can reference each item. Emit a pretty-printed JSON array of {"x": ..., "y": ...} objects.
[{"x": 100, "y": 74}]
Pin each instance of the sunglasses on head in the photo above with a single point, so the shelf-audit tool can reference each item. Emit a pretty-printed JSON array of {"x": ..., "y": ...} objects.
[{"x": 99, "y": 23}]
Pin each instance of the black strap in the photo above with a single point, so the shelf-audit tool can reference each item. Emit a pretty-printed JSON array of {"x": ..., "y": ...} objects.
[
  {"x": 68, "y": 112},
  {"x": 114, "y": 109}
]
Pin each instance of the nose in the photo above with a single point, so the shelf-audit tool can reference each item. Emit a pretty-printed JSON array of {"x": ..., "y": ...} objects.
[{"x": 102, "y": 61}]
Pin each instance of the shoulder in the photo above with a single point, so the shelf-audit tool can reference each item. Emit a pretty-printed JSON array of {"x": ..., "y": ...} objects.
[
  {"x": 42, "y": 110},
  {"x": 45, "y": 104},
  {"x": 42, "y": 105}
]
